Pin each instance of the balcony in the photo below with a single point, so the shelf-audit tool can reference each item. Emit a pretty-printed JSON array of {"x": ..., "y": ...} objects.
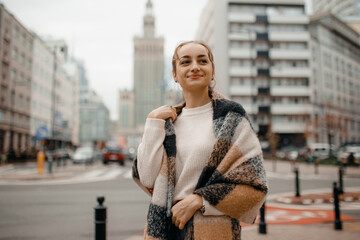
[
  {"x": 288, "y": 127},
  {"x": 290, "y": 91},
  {"x": 237, "y": 71},
  {"x": 245, "y": 53},
  {"x": 242, "y": 90},
  {"x": 242, "y": 17},
  {"x": 288, "y": 19},
  {"x": 290, "y": 108},
  {"x": 293, "y": 54},
  {"x": 289, "y": 36},
  {"x": 303, "y": 72}
]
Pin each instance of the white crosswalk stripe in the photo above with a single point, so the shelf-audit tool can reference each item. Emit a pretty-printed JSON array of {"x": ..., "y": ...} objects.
[{"x": 95, "y": 175}]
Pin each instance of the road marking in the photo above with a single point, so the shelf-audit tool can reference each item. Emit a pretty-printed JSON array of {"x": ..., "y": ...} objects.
[{"x": 128, "y": 174}]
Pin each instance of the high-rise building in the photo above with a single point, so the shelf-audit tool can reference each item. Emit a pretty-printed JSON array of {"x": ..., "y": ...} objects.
[
  {"x": 261, "y": 51},
  {"x": 346, "y": 10},
  {"x": 126, "y": 109},
  {"x": 337, "y": 7},
  {"x": 65, "y": 82},
  {"x": 148, "y": 69},
  {"x": 335, "y": 62},
  {"x": 41, "y": 92},
  {"x": 16, "y": 47}
]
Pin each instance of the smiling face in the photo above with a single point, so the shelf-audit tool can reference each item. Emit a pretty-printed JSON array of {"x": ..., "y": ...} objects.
[{"x": 193, "y": 68}]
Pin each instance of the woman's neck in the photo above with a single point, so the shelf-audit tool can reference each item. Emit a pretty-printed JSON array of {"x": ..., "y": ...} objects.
[{"x": 196, "y": 99}]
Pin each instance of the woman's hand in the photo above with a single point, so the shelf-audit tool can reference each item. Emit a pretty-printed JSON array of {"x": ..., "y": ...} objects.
[
  {"x": 163, "y": 112},
  {"x": 185, "y": 209}
]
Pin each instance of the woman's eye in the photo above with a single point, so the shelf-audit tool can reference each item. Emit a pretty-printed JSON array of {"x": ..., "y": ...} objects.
[
  {"x": 185, "y": 62},
  {"x": 203, "y": 61}
]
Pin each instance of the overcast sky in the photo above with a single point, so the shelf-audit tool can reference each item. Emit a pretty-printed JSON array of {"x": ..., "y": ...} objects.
[{"x": 100, "y": 32}]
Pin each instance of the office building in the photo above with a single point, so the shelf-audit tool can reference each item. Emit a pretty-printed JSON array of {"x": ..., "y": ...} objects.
[
  {"x": 148, "y": 69},
  {"x": 335, "y": 52}
]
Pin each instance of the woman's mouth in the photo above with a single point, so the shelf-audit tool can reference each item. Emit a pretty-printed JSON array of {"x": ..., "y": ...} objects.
[{"x": 195, "y": 76}]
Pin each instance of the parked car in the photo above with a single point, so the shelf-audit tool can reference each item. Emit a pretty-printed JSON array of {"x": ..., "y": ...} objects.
[
  {"x": 344, "y": 152},
  {"x": 114, "y": 155},
  {"x": 84, "y": 155},
  {"x": 288, "y": 153},
  {"x": 320, "y": 151}
]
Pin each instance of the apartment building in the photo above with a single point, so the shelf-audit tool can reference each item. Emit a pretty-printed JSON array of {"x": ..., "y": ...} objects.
[
  {"x": 16, "y": 53},
  {"x": 347, "y": 11},
  {"x": 337, "y": 7},
  {"x": 41, "y": 92},
  {"x": 148, "y": 68},
  {"x": 261, "y": 51},
  {"x": 335, "y": 80},
  {"x": 64, "y": 95}
]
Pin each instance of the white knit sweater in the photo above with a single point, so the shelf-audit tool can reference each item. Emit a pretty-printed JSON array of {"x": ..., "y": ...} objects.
[{"x": 195, "y": 140}]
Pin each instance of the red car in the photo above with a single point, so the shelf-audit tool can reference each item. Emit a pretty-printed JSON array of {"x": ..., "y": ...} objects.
[{"x": 114, "y": 155}]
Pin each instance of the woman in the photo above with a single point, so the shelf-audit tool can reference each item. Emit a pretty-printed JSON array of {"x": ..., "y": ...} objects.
[{"x": 201, "y": 161}]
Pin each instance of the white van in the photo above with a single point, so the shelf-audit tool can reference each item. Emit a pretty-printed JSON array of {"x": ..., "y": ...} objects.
[{"x": 321, "y": 150}]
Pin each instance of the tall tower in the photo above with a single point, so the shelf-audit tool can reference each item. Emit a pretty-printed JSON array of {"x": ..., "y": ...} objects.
[{"x": 148, "y": 69}]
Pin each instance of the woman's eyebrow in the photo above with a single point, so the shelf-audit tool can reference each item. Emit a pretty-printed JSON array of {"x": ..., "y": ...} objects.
[{"x": 199, "y": 56}]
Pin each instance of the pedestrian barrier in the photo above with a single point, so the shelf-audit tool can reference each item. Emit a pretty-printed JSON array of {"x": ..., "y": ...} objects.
[
  {"x": 100, "y": 219},
  {"x": 262, "y": 223},
  {"x": 297, "y": 183},
  {"x": 337, "y": 221}
]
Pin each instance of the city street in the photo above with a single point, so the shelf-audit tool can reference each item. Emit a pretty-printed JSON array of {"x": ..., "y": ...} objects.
[{"x": 63, "y": 208}]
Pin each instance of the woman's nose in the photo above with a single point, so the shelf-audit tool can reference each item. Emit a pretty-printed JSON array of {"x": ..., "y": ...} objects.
[{"x": 194, "y": 66}]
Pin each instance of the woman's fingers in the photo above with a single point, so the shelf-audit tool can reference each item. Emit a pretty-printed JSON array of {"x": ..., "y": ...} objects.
[{"x": 163, "y": 112}]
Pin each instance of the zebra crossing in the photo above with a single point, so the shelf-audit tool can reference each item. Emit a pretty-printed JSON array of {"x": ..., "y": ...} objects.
[{"x": 102, "y": 173}]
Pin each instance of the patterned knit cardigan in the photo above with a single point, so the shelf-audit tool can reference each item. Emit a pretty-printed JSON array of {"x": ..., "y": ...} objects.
[{"x": 233, "y": 180}]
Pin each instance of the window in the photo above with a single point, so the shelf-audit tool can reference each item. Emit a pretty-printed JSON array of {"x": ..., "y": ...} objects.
[
  {"x": 22, "y": 58},
  {"x": 2, "y": 115},
  {"x": 13, "y": 75},
  {"x": 14, "y": 53}
]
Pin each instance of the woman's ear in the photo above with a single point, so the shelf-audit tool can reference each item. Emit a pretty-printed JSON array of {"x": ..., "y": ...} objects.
[{"x": 174, "y": 75}]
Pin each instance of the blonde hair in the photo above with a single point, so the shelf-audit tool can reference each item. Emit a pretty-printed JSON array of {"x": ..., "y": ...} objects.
[{"x": 210, "y": 56}]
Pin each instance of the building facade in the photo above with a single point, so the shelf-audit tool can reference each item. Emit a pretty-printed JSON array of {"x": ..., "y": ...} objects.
[
  {"x": 64, "y": 94},
  {"x": 16, "y": 54},
  {"x": 94, "y": 121},
  {"x": 337, "y": 7},
  {"x": 347, "y": 11},
  {"x": 261, "y": 51},
  {"x": 126, "y": 109},
  {"x": 41, "y": 93},
  {"x": 336, "y": 80},
  {"x": 148, "y": 69}
]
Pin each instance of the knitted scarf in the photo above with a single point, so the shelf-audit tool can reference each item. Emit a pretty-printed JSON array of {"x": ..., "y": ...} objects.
[{"x": 233, "y": 180}]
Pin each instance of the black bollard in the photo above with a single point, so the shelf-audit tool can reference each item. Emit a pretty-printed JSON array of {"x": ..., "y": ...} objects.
[
  {"x": 262, "y": 223},
  {"x": 100, "y": 220},
  {"x": 341, "y": 188},
  {"x": 337, "y": 221},
  {"x": 297, "y": 183}
]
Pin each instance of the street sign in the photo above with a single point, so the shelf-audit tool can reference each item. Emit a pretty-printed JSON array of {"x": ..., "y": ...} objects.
[{"x": 42, "y": 132}]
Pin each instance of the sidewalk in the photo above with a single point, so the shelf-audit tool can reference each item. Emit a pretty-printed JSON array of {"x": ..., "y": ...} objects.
[{"x": 321, "y": 228}]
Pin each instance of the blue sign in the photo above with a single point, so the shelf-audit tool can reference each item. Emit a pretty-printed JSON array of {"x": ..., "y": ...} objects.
[{"x": 42, "y": 132}]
